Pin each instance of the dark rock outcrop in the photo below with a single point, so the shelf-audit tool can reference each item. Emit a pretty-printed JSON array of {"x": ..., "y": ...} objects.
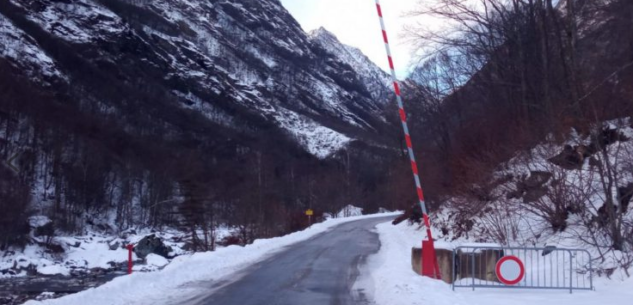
[
  {"x": 151, "y": 244},
  {"x": 534, "y": 194},
  {"x": 531, "y": 188},
  {"x": 571, "y": 158},
  {"x": 608, "y": 136},
  {"x": 114, "y": 246},
  {"x": 414, "y": 215},
  {"x": 537, "y": 179}
]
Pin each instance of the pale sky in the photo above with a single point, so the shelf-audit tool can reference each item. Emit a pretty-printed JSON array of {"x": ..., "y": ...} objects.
[{"x": 355, "y": 23}]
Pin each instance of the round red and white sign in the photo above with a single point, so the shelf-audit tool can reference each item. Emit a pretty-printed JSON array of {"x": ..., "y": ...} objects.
[{"x": 510, "y": 270}]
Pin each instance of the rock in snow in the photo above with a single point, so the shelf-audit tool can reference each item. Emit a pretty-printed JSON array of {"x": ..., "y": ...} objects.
[{"x": 151, "y": 244}]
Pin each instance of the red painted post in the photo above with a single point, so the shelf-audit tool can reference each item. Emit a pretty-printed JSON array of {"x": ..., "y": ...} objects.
[
  {"x": 130, "y": 248},
  {"x": 430, "y": 265}
]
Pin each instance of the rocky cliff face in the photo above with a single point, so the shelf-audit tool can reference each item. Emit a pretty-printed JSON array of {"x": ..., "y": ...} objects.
[
  {"x": 377, "y": 81},
  {"x": 250, "y": 54}
]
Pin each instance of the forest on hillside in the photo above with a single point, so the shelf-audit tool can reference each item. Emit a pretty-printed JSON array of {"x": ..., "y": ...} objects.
[
  {"x": 543, "y": 83},
  {"x": 82, "y": 168}
]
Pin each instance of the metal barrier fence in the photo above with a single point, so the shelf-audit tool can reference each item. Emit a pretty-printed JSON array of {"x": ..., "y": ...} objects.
[{"x": 516, "y": 267}]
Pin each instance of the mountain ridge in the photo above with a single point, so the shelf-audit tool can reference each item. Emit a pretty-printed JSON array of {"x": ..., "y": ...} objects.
[{"x": 182, "y": 113}]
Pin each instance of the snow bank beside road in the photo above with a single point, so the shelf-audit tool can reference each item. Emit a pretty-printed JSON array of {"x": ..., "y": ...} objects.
[
  {"x": 93, "y": 252},
  {"x": 187, "y": 275},
  {"x": 390, "y": 281}
]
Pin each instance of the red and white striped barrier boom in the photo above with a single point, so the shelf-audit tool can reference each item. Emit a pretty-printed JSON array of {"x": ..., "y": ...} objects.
[{"x": 414, "y": 165}]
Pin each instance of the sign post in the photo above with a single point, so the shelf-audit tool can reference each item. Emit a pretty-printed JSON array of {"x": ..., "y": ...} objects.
[
  {"x": 130, "y": 248},
  {"x": 309, "y": 213}
]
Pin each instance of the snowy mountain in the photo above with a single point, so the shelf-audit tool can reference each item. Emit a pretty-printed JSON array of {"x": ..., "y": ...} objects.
[
  {"x": 375, "y": 79},
  {"x": 121, "y": 114},
  {"x": 251, "y": 54}
]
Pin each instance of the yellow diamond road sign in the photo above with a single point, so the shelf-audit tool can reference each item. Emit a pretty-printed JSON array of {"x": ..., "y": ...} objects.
[{"x": 309, "y": 212}]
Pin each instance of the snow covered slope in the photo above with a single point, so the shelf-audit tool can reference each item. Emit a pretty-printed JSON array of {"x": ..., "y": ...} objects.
[
  {"x": 249, "y": 54},
  {"x": 377, "y": 81},
  {"x": 390, "y": 280},
  {"x": 23, "y": 51},
  {"x": 574, "y": 194}
]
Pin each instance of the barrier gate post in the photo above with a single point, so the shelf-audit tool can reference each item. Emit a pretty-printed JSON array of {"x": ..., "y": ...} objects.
[{"x": 429, "y": 264}]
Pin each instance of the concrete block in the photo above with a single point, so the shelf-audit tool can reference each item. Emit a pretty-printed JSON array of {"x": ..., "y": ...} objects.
[{"x": 480, "y": 265}]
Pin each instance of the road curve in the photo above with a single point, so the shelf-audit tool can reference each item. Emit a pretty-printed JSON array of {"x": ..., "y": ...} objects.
[{"x": 319, "y": 271}]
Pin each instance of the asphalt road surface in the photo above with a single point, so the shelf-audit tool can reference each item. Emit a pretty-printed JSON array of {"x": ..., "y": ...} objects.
[{"x": 319, "y": 271}]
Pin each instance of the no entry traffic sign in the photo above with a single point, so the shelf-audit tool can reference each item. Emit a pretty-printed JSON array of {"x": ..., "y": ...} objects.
[{"x": 510, "y": 270}]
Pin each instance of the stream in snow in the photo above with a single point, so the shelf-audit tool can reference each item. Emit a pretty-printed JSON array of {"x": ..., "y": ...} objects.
[{"x": 18, "y": 290}]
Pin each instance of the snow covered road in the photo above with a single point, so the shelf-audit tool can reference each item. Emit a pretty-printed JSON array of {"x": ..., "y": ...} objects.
[
  {"x": 335, "y": 246},
  {"x": 321, "y": 270}
]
